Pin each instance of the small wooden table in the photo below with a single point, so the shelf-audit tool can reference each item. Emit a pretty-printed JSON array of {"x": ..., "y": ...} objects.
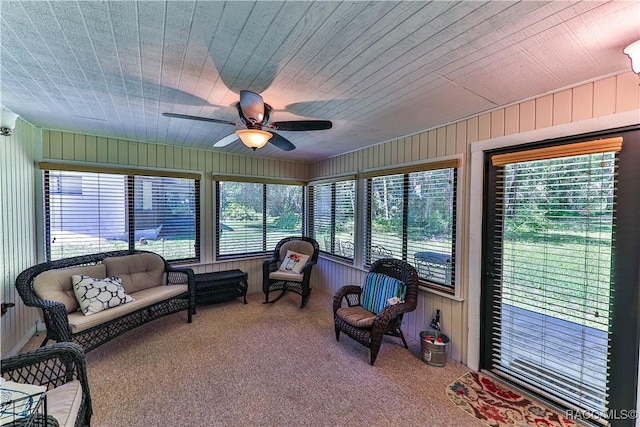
[{"x": 221, "y": 286}]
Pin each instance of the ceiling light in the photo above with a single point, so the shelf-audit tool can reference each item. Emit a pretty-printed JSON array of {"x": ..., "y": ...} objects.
[
  {"x": 633, "y": 50},
  {"x": 7, "y": 121},
  {"x": 254, "y": 138}
]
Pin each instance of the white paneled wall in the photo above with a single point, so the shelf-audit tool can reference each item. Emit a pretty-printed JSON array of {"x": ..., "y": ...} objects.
[
  {"x": 17, "y": 232},
  {"x": 69, "y": 147},
  {"x": 603, "y": 98},
  {"x": 606, "y": 97}
]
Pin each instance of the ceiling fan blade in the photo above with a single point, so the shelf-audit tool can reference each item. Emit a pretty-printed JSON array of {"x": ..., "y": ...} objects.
[
  {"x": 252, "y": 106},
  {"x": 226, "y": 140},
  {"x": 295, "y": 125},
  {"x": 202, "y": 119},
  {"x": 281, "y": 142}
]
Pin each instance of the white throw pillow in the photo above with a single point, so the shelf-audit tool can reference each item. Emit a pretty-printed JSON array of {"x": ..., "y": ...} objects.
[
  {"x": 294, "y": 262},
  {"x": 96, "y": 295}
]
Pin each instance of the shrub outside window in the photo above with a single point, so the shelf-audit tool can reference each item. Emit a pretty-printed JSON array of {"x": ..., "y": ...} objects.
[
  {"x": 332, "y": 221},
  {"x": 252, "y": 217},
  {"x": 411, "y": 215}
]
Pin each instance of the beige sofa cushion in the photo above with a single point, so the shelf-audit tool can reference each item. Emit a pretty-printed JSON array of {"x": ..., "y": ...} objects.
[
  {"x": 55, "y": 285},
  {"x": 79, "y": 322},
  {"x": 63, "y": 403},
  {"x": 137, "y": 271}
]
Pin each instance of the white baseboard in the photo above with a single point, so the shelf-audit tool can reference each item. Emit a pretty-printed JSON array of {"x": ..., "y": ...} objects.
[{"x": 23, "y": 341}]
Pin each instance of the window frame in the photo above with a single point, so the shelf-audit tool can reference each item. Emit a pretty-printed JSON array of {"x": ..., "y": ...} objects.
[
  {"x": 129, "y": 175},
  {"x": 333, "y": 183},
  {"x": 455, "y": 162},
  {"x": 217, "y": 179},
  {"x": 625, "y": 342}
]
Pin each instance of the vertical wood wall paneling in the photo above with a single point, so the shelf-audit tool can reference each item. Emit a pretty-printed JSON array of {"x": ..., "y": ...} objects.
[
  {"x": 608, "y": 96},
  {"x": 627, "y": 92},
  {"x": 544, "y": 112},
  {"x": 604, "y": 97},
  {"x": 562, "y": 103},
  {"x": 102, "y": 154},
  {"x": 17, "y": 233},
  {"x": 528, "y": 116},
  {"x": 497, "y": 123},
  {"x": 511, "y": 119},
  {"x": 91, "y": 148},
  {"x": 582, "y": 103}
]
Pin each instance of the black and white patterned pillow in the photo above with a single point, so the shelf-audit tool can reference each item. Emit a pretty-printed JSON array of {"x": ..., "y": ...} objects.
[{"x": 96, "y": 295}]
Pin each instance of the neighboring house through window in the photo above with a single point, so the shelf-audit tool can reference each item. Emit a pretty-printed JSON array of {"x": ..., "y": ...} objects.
[{"x": 117, "y": 211}]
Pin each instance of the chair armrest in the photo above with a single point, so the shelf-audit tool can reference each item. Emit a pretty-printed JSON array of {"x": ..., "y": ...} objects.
[
  {"x": 349, "y": 292},
  {"x": 56, "y": 319},
  {"x": 50, "y": 366},
  {"x": 269, "y": 265},
  {"x": 178, "y": 272},
  {"x": 391, "y": 311},
  {"x": 306, "y": 270}
]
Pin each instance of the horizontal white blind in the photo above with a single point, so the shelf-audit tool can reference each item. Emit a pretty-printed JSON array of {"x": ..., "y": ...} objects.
[
  {"x": 333, "y": 217},
  {"x": 240, "y": 218},
  {"x": 412, "y": 216},
  {"x": 553, "y": 290},
  {"x": 87, "y": 212},
  {"x": 284, "y": 212},
  {"x": 253, "y": 217},
  {"x": 165, "y": 215}
]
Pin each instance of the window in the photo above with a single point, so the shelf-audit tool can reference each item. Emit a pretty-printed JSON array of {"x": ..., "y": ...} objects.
[
  {"x": 559, "y": 296},
  {"x": 252, "y": 217},
  {"x": 116, "y": 211},
  {"x": 332, "y": 221},
  {"x": 66, "y": 184},
  {"x": 411, "y": 215}
]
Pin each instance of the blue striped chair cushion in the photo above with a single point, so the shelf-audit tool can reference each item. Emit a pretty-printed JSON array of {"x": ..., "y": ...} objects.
[{"x": 377, "y": 289}]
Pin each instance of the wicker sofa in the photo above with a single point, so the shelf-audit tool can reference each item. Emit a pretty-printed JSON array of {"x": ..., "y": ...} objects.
[
  {"x": 157, "y": 289},
  {"x": 61, "y": 368}
]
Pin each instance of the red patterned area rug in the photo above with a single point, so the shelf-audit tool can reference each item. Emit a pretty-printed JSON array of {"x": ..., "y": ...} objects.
[{"x": 497, "y": 405}]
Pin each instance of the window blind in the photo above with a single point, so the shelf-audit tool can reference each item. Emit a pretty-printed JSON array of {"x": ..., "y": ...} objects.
[
  {"x": 412, "y": 216},
  {"x": 552, "y": 284},
  {"x": 88, "y": 212},
  {"x": 332, "y": 221},
  {"x": 252, "y": 217}
]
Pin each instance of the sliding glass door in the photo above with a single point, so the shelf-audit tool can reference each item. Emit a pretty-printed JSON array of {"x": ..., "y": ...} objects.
[{"x": 556, "y": 289}]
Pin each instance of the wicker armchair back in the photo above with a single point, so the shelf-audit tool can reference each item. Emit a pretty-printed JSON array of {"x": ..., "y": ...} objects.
[
  {"x": 52, "y": 366},
  {"x": 389, "y": 320},
  {"x": 273, "y": 280},
  {"x": 55, "y": 312}
]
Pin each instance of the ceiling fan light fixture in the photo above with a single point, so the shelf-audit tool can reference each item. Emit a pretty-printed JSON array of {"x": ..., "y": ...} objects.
[
  {"x": 7, "y": 121},
  {"x": 633, "y": 50},
  {"x": 254, "y": 138}
]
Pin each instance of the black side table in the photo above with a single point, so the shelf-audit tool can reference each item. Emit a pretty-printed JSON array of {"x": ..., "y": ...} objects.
[{"x": 221, "y": 286}]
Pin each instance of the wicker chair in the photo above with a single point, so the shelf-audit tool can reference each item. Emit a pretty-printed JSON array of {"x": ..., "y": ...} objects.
[
  {"x": 389, "y": 320},
  {"x": 52, "y": 366},
  {"x": 274, "y": 279}
]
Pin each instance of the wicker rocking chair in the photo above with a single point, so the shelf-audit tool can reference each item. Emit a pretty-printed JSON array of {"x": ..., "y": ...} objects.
[
  {"x": 276, "y": 277},
  {"x": 368, "y": 327}
]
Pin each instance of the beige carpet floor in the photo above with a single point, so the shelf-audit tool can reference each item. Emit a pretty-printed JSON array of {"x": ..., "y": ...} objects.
[{"x": 265, "y": 365}]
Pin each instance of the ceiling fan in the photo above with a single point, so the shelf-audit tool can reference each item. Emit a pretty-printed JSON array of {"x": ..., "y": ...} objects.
[{"x": 254, "y": 115}]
